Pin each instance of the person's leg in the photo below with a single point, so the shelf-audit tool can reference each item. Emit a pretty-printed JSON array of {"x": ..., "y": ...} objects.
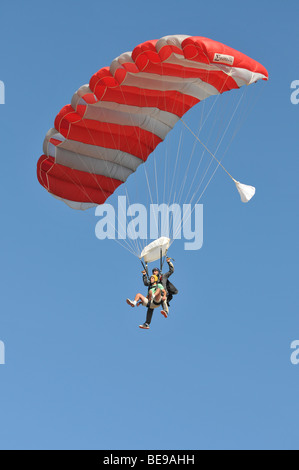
[
  {"x": 150, "y": 296},
  {"x": 149, "y": 315},
  {"x": 158, "y": 296},
  {"x": 169, "y": 298},
  {"x": 172, "y": 290},
  {"x": 139, "y": 298},
  {"x": 165, "y": 308},
  {"x": 164, "y": 304}
]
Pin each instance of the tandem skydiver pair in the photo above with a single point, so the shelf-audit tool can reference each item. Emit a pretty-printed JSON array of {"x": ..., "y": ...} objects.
[{"x": 160, "y": 293}]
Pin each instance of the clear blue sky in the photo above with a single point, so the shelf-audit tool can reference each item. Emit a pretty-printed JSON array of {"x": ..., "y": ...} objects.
[{"x": 79, "y": 372}]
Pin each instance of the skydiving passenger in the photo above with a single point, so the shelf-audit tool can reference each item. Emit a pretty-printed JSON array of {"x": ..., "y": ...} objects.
[
  {"x": 170, "y": 289},
  {"x": 155, "y": 298}
]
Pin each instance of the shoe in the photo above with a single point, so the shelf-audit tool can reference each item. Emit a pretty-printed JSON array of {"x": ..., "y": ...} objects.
[
  {"x": 129, "y": 302},
  {"x": 165, "y": 314},
  {"x": 145, "y": 326}
]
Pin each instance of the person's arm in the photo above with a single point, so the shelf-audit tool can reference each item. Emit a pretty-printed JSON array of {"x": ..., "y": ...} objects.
[
  {"x": 171, "y": 269},
  {"x": 146, "y": 281}
]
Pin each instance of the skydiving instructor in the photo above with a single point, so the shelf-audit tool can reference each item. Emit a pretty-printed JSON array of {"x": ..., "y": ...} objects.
[{"x": 170, "y": 289}]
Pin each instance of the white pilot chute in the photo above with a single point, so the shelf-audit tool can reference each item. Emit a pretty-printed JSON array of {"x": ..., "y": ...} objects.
[{"x": 246, "y": 192}]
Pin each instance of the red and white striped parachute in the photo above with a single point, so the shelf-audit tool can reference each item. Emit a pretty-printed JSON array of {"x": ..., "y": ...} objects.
[{"x": 113, "y": 124}]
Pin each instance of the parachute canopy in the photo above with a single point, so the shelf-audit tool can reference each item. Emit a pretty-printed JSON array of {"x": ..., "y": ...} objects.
[
  {"x": 113, "y": 124},
  {"x": 155, "y": 250}
]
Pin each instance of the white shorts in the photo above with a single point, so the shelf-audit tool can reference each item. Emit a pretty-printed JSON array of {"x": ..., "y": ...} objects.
[{"x": 152, "y": 305}]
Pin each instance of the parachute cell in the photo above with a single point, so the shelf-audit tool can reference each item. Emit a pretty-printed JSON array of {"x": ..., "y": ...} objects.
[{"x": 113, "y": 124}]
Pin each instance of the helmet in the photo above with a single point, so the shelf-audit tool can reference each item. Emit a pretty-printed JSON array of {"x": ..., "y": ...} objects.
[{"x": 156, "y": 269}]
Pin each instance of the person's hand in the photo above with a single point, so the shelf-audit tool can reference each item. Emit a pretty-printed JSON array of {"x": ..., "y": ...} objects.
[
  {"x": 143, "y": 272},
  {"x": 168, "y": 259}
]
